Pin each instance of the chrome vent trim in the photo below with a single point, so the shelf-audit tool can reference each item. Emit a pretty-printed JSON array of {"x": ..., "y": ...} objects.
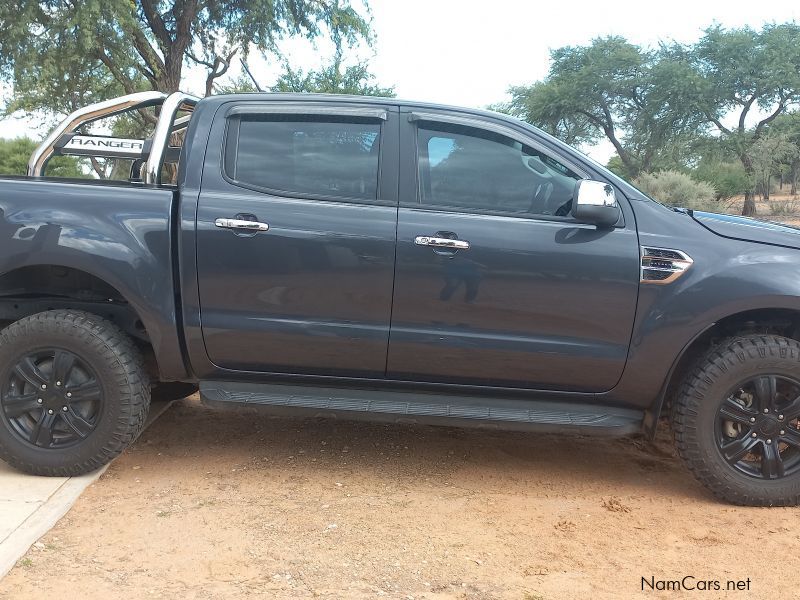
[{"x": 663, "y": 265}]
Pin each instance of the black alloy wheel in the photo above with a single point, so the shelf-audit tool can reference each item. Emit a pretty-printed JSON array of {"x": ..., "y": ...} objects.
[
  {"x": 757, "y": 427},
  {"x": 52, "y": 398}
]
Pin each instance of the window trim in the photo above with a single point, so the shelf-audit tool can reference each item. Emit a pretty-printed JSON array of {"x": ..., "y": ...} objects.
[
  {"x": 417, "y": 116},
  {"x": 233, "y": 118}
]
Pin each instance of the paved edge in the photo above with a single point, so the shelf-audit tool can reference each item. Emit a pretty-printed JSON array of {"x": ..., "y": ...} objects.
[{"x": 44, "y": 518}]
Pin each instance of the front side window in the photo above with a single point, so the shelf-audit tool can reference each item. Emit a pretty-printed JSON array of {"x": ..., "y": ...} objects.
[
  {"x": 473, "y": 170},
  {"x": 310, "y": 155}
]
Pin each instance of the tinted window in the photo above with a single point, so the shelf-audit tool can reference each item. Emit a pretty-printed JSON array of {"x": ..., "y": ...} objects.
[
  {"x": 480, "y": 171},
  {"x": 306, "y": 155}
]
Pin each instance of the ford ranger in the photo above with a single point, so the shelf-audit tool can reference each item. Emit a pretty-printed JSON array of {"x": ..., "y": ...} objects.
[{"x": 387, "y": 260}]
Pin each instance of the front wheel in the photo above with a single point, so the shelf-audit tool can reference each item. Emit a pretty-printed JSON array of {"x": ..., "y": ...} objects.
[
  {"x": 73, "y": 393},
  {"x": 736, "y": 421}
]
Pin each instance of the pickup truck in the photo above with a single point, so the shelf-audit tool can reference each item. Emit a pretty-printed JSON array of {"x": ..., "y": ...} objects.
[{"x": 368, "y": 258}]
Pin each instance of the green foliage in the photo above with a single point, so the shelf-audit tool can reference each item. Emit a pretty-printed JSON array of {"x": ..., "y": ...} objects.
[
  {"x": 678, "y": 189},
  {"x": 334, "y": 78},
  {"x": 729, "y": 179},
  {"x": 638, "y": 100},
  {"x": 14, "y": 155},
  {"x": 61, "y": 54},
  {"x": 766, "y": 155},
  {"x": 658, "y": 108}
]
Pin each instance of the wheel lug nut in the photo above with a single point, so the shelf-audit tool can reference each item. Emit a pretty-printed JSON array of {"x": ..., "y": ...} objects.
[
  {"x": 769, "y": 441},
  {"x": 780, "y": 417},
  {"x": 50, "y": 412},
  {"x": 64, "y": 408},
  {"x": 766, "y": 410},
  {"x": 754, "y": 435},
  {"x": 783, "y": 432},
  {"x": 752, "y": 419},
  {"x": 39, "y": 400},
  {"x": 44, "y": 387},
  {"x": 58, "y": 383},
  {"x": 69, "y": 394}
]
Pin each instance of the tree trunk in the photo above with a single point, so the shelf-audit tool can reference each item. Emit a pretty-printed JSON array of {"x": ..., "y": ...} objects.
[
  {"x": 749, "y": 208},
  {"x": 767, "y": 185}
]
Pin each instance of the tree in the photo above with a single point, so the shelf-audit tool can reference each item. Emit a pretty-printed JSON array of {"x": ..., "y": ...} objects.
[
  {"x": 60, "y": 54},
  {"x": 613, "y": 89},
  {"x": 333, "y": 78},
  {"x": 788, "y": 125},
  {"x": 14, "y": 155},
  {"x": 765, "y": 155},
  {"x": 742, "y": 71}
]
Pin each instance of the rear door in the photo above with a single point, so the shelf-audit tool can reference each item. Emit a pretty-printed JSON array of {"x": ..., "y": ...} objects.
[
  {"x": 496, "y": 284},
  {"x": 296, "y": 227}
]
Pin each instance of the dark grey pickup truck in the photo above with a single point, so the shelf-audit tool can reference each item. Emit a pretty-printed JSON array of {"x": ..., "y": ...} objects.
[{"x": 379, "y": 259}]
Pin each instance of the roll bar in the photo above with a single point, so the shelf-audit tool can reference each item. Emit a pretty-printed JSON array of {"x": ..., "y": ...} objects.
[{"x": 64, "y": 140}]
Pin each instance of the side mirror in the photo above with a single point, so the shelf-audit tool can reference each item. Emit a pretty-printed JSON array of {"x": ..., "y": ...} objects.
[{"x": 595, "y": 202}]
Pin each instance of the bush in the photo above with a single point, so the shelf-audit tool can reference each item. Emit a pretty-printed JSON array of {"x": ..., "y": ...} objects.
[
  {"x": 729, "y": 179},
  {"x": 678, "y": 189},
  {"x": 783, "y": 207}
]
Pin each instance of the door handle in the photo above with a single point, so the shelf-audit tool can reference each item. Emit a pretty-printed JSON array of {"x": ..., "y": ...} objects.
[
  {"x": 241, "y": 225},
  {"x": 440, "y": 242}
]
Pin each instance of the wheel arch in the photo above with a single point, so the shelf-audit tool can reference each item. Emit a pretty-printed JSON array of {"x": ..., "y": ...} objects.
[
  {"x": 781, "y": 321},
  {"x": 34, "y": 288}
]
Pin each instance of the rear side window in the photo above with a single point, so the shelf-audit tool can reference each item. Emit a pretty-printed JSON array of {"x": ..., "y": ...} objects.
[{"x": 306, "y": 155}]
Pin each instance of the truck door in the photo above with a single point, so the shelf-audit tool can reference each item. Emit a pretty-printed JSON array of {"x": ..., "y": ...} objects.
[
  {"x": 296, "y": 226},
  {"x": 496, "y": 284}
]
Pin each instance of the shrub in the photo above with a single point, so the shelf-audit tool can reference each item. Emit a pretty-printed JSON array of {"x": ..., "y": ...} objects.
[
  {"x": 728, "y": 178},
  {"x": 678, "y": 189},
  {"x": 783, "y": 207}
]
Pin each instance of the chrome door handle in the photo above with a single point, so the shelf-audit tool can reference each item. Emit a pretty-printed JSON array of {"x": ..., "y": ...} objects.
[
  {"x": 241, "y": 225},
  {"x": 438, "y": 242}
]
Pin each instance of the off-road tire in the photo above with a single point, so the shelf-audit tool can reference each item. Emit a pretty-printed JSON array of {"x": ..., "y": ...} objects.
[
  {"x": 123, "y": 381},
  {"x": 695, "y": 411}
]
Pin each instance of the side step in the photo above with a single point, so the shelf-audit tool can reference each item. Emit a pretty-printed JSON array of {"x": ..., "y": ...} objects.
[{"x": 415, "y": 407}]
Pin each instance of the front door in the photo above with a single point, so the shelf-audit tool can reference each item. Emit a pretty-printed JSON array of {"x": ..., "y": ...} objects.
[
  {"x": 496, "y": 284},
  {"x": 296, "y": 239}
]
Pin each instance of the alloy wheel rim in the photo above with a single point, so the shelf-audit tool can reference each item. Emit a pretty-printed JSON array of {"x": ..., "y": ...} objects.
[
  {"x": 51, "y": 399},
  {"x": 757, "y": 428}
]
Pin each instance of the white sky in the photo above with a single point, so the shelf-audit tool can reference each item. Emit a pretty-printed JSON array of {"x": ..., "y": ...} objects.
[{"x": 468, "y": 53}]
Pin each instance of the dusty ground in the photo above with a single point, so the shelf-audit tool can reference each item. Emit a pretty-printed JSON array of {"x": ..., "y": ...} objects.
[{"x": 229, "y": 504}]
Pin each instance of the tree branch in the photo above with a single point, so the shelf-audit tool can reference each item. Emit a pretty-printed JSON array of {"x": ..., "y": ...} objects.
[
  {"x": 157, "y": 25},
  {"x": 123, "y": 79},
  {"x": 218, "y": 69}
]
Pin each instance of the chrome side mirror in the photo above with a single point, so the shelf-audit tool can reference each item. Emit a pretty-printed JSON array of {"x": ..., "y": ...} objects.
[{"x": 595, "y": 202}]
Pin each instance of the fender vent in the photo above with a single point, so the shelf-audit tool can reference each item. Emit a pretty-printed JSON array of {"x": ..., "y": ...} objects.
[{"x": 663, "y": 265}]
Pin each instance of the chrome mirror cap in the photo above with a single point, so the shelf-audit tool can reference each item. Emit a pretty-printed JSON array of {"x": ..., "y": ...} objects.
[{"x": 595, "y": 202}]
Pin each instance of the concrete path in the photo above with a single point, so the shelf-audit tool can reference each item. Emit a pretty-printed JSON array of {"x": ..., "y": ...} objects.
[{"x": 30, "y": 506}]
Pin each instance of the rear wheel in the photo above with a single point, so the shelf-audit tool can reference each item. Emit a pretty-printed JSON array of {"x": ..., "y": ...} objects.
[
  {"x": 737, "y": 421},
  {"x": 73, "y": 393}
]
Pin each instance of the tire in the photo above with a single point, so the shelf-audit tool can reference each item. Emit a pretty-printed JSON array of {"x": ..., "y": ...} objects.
[
  {"x": 736, "y": 421},
  {"x": 172, "y": 390},
  {"x": 70, "y": 427}
]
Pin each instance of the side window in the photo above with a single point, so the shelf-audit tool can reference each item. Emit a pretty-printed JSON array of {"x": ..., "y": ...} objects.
[
  {"x": 469, "y": 169},
  {"x": 310, "y": 155}
]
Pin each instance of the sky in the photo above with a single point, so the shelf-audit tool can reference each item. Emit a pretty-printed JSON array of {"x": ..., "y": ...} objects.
[{"x": 468, "y": 53}]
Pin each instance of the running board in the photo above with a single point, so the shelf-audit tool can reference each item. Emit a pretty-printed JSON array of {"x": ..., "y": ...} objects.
[{"x": 432, "y": 409}]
